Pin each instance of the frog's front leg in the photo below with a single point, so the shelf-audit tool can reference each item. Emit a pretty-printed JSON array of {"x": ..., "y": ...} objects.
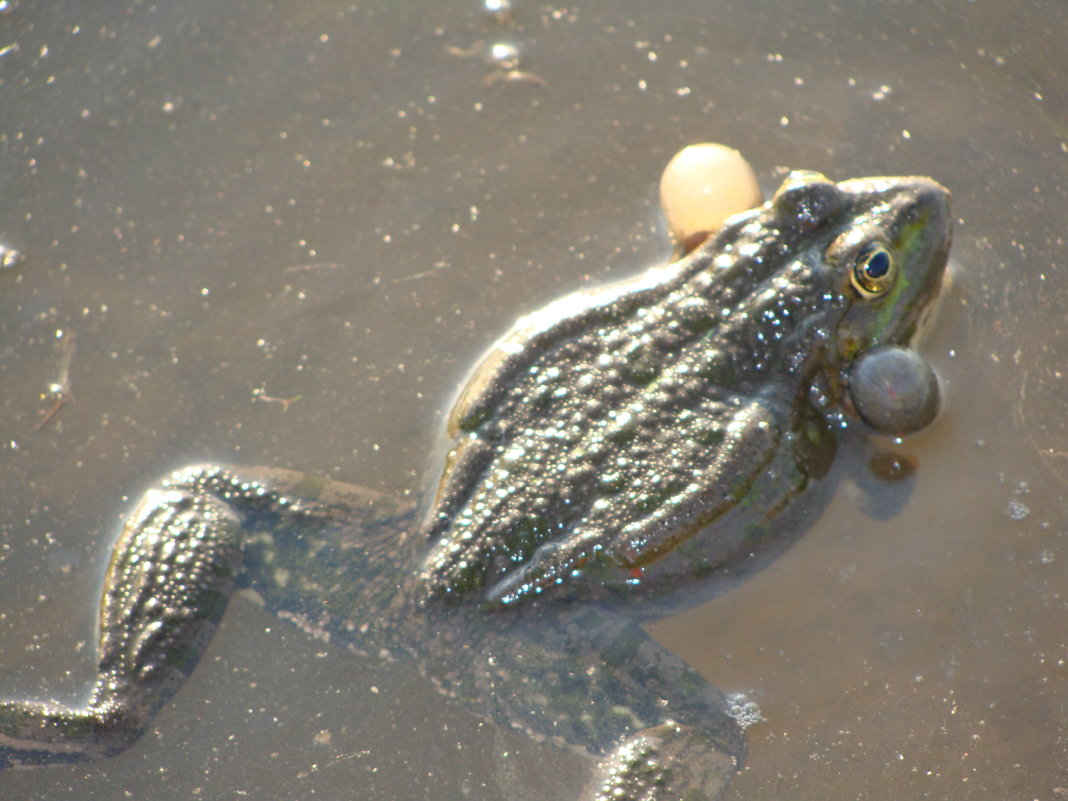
[{"x": 170, "y": 578}]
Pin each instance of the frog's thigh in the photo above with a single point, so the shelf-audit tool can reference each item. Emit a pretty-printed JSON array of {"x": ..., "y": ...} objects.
[
  {"x": 593, "y": 680},
  {"x": 170, "y": 577}
]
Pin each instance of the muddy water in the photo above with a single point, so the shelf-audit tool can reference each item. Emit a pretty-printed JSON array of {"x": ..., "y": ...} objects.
[{"x": 341, "y": 205}]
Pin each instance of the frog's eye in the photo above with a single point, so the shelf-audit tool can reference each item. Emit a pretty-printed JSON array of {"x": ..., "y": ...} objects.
[{"x": 874, "y": 271}]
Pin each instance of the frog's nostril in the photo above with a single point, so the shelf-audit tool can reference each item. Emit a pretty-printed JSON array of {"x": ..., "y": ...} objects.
[{"x": 932, "y": 196}]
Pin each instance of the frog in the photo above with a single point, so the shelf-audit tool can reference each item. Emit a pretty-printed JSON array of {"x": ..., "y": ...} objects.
[{"x": 612, "y": 451}]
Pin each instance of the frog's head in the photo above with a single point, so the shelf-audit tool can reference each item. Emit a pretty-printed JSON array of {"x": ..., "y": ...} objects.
[
  {"x": 885, "y": 244},
  {"x": 891, "y": 260}
]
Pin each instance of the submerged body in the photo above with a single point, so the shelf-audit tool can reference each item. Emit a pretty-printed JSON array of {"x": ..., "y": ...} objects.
[{"x": 614, "y": 445}]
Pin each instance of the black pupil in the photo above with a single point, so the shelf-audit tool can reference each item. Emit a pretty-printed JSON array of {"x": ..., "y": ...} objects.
[{"x": 878, "y": 264}]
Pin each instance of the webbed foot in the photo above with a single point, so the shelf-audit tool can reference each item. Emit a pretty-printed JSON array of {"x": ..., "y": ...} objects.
[
  {"x": 591, "y": 679},
  {"x": 669, "y": 761}
]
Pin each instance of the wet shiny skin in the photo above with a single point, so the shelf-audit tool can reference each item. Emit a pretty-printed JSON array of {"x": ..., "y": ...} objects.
[{"x": 614, "y": 445}]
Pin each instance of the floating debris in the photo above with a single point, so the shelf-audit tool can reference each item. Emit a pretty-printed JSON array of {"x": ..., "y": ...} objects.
[
  {"x": 500, "y": 12},
  {"x": 260, "y": 394},
  {"x": 9, "y": 257},
  {"x": 503, "y": 56},
  {"x": 514, "y": 76},
  {"x": 60, "y": 388}
]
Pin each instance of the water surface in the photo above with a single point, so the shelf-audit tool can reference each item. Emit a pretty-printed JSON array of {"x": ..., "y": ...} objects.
[{"x": 344, "y": 204}]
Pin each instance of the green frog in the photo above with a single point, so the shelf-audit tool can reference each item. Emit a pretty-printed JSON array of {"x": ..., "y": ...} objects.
[{"x": 614, "y": 447}]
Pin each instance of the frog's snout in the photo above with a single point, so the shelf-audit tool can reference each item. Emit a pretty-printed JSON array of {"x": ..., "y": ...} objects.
[
  {"x": 923, "y": 229},
  {"x": 934, "y": 202}
]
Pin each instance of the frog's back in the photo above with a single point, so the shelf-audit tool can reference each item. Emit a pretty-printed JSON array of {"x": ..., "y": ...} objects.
[{"x": 609, "y": 427}]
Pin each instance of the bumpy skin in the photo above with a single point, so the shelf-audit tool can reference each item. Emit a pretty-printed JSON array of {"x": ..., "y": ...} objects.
[
  {"x": 613, "y": 425},
  {"x": 612, "y": 446}
]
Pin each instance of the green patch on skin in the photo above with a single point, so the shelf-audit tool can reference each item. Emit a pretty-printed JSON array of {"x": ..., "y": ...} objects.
[
  {"x": 183, "y": 658},
  {"x": 525, "y": 536},
  {"x": 310, "y": 485},
  {"x": 643, "y": 365},
  {"x": 611, "y": 483},
  {"x": 721, "y": 373},
  {"x": 14, "y": 720},
  {"x": 625, "y": 428},
  {"x": 474, "y": 420},
  {"x": 624, "y": 649},
  {"x": 712, "y": 437},
  {"x": 211, "y": 604},
  {"x": 911, "y": 235},
  {"x": 467, "y": 577},
  {"x": 76, "y": 728},
  {"x": 651, "y": 501}
]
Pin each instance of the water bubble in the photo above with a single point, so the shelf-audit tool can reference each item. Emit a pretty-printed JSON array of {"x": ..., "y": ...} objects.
[
  {"x": 9, "y": 257},
  {"x": 7, "y": 6},
  {"x": 743, "y": 710},
  {"x": 1017, "y": 510}
]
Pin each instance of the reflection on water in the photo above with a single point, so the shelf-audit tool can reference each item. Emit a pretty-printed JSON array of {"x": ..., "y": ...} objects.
[{"x": 329, "y": 206}]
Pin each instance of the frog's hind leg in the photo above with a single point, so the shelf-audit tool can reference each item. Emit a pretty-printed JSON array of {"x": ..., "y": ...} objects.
[
  {"x": 170, "y": 578},
  {"x": 592, "y": 680}
]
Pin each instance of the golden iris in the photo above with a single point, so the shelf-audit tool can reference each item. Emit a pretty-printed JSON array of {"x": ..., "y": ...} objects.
[{"x": 874, "y": 271}]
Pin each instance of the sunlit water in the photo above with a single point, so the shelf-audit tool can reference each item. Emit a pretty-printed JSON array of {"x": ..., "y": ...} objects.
[{"x": 279, "y": 233}]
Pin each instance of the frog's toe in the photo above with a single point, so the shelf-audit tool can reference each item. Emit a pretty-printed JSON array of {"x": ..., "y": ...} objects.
[
  {"x": 37, "y": 734},
  {"x": 667, "y": 761}
]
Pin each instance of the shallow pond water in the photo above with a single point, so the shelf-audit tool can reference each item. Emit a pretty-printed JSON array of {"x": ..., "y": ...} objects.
[{"x": 342, "y": 204}]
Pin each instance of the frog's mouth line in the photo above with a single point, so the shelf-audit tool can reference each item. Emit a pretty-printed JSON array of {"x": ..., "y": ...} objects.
[{"x": 929, "y": 316}]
